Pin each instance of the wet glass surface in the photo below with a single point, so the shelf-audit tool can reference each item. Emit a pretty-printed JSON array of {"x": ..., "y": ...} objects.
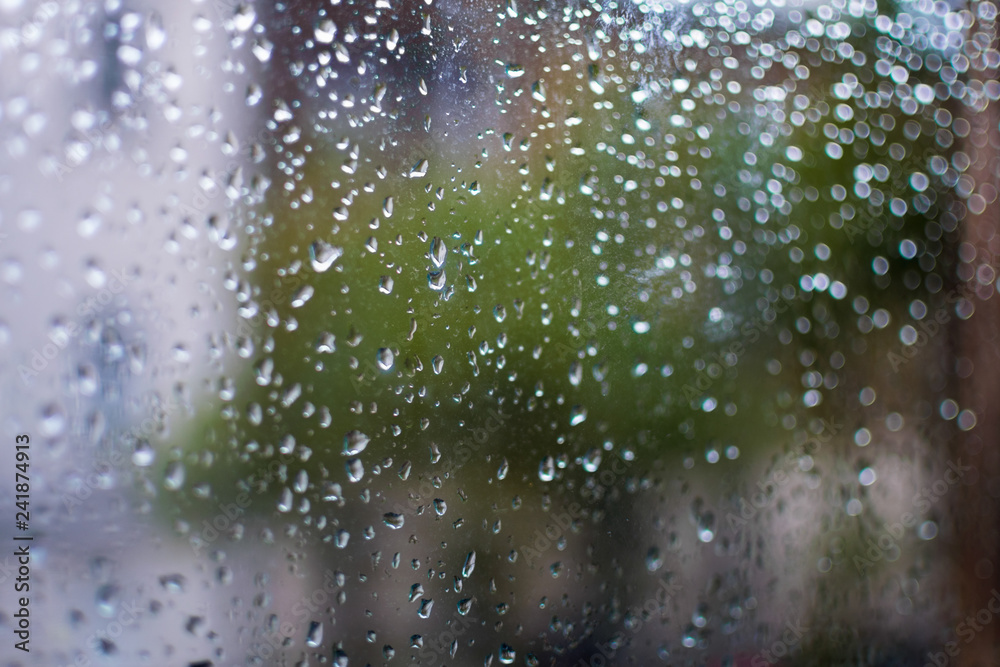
[{"x": 534, "y": 333}]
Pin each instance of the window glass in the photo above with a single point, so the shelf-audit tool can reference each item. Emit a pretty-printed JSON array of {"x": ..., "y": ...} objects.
[{"x": 431, "y": 332}]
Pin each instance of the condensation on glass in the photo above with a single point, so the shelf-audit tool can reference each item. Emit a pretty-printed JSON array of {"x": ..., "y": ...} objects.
[{"x": 432, "y": 332}]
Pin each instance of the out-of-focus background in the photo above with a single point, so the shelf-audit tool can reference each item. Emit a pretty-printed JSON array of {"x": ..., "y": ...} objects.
[{"x": 542, "y": 333}]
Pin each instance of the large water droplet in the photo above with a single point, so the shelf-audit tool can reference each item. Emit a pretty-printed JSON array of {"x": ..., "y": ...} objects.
[
  {"x": 285, "y": 501},
  {"x": 355, "y": 470},
  {"x": 384, "y": 358},
  {"x": 144, "y": 454},
  {"x": 322, "y": 255},
  {"x": 469, "y": 565},
  {"x": 355, "y": 443},
  {"x": 174, "y": 476},
  {"x": 438, "y": 252},
  {"x": 314, "y": 637},
  {"x": 547, "y": 469}
]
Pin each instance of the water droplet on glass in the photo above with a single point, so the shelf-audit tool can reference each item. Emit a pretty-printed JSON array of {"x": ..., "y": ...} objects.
[
  {"x": 355, "y": 470},
  {"x": 322, "y": 255},
  {"x": 439, "y": 252},
  {"x": 436, "y": 280},
  {"x": 469, "y": 565},
  {"x": 654, "y": 561},
  {"x": 106, "y": 600},
  {"x": 355, "y": 443},
  {"x": 285, "y": 500},
  {"x": 173, "y": 583},
  {"x": 174, "y": 476},
  {"x": 314, "y": 636},
  {"x": 144, "y": 454},
  {"x": 302, "y": 296},
  {"x": 547, "y": 469},
  {"x": 592, "y": 460},
  {"x": 325, "y": 31},
  {"x": 419, "y": 169}
]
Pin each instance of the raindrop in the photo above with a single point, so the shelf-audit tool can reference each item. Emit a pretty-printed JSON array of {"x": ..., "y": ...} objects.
[
  {"x": 325, "y": 31},
  {"x": 322, "y": 255},
  {"x": 419, "y": 169},
  {"x": 438, "y": 252},
  {"x": 174, "y": 476},
  {"x": 314, "y": 636},
  {"x": 507, "y": 654},
  {"x": 285, "y": 500},
  {"x": 384, "y": 358},
  {"x": 654, "y": 561},
  {"x": 547, "y": 469},
  {"x": 354, "y": 443},
  {"x": 469, "y": 565},
  {"x": 436, "y": 280},
  {"x": 355, "y": 470},
  {"x": 592, "y": 460},
  {"x": 440, "y": 506},
  {"x": 106, "y": 600},
  {"x": 144, "y": 454}
]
